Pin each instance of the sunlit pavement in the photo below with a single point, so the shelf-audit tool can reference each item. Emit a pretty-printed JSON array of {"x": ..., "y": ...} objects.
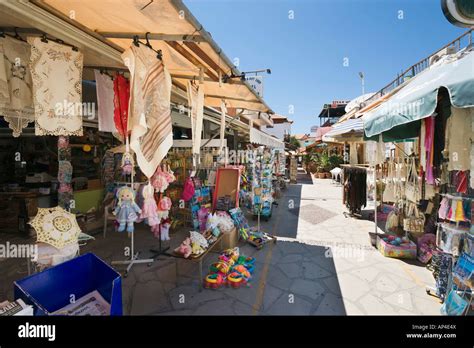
[{"x": 322, "y": 264}]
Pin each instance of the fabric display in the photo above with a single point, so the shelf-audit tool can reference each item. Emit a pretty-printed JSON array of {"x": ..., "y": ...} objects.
[
  {"x": 121, "y": 103},
  {"x": 105, "y": 100},
  {"x": 459, "y": 180},
  {"x": 232, "y": 269},
  {"x": 355, "y": 188},
  {"x": 127, "y": 210},
  {"x": 16, "y": 85},
  {"x": 429, "y": 148},
  {"x": 394, "y": 185},
  {"x": 56, "y": 71},
  {"x": 426, "y": 245},
  {"x": 444, "y": 269},
  {"x": 149, "y": 109},
  {"x": 56, "y": 227},
  {"x": 196, "y": 113},
  {"x": 222, "y": 125},
  {"x": 449, "y": 238},
  {"x": 455, "y": 209},
  {"x": 458, "y": 139}
]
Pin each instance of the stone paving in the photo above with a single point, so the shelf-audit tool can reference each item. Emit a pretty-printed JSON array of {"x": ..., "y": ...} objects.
[{"x": 322, "y": 264}]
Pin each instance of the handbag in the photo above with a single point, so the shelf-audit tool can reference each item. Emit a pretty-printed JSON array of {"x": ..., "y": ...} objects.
[
  {"x": 394, "y": 219},
  {"x": 414, "y": 222},
  {"x": 412, "y": 189},
  {"x": 389, "y": 192}
]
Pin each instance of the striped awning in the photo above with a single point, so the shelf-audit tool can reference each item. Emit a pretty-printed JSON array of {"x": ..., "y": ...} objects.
[{"x": 348, "y": 127}]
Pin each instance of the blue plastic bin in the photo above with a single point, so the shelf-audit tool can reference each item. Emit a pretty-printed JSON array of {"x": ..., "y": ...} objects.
[{"x": 51, "y": 289}]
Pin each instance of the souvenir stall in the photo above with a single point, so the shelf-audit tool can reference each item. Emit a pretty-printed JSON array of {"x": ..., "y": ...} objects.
[{"x": 432, "y": 187}]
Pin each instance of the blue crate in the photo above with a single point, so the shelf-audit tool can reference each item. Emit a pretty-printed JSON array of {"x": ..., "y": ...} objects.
[{"x": 51, "y": 289}]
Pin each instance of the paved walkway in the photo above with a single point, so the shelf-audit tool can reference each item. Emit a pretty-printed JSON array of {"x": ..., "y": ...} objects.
[{"x": 322, "y": 264}]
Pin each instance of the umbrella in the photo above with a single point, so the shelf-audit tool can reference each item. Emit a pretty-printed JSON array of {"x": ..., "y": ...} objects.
[{"x": 56, "y": 227}]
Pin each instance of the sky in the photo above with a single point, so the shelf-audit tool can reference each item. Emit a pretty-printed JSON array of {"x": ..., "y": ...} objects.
[{"x": 316, "y": 48}]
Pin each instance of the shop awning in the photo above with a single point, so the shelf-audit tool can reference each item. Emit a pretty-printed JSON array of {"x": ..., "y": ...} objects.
[
  {"x": 347, "y": 128},
  {"x": 261, "y": 138},
  {"x": 418, "y": 99},
  {"x": 103, "y": 29}
]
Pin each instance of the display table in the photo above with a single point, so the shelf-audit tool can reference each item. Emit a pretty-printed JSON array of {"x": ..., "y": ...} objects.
[{"x": 199, "y": 258}]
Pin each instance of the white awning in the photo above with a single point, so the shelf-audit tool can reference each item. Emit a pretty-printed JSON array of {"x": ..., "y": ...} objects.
[{"x": 261, "y": 138}]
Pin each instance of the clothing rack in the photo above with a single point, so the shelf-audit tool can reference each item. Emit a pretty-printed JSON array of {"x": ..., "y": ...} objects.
[{"x": 33, "y": 32}]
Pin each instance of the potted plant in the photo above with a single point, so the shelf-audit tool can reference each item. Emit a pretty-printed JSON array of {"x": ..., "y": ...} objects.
[{"x": 323, "y": 166}]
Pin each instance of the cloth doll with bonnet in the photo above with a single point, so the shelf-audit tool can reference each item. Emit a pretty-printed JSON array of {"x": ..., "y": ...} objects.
[
  {"x": 126, "y": 210},
  {"x": 150, "y": 209}
]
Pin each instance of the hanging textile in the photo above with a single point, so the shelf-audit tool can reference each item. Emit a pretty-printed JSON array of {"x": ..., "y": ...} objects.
[
  {"x": 57, "y": 88},
  {"x": 429, "y": 146},
  {"x": 458, "y": 138},
  {"x": 196, "y": 110},
  {"x": 422, "y": 145},
  {"x": 121, "y": 101},
  {"x": 16, "y": 95},
  {"x": 150, "y": 109},
  {"x": 222, "y": 129},
  {"x": 105, "y": 101},
  {"x": 355, "y": 188}
]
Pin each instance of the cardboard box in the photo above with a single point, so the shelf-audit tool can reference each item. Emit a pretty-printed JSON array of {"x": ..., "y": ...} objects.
[
  {"x": 51, "y": 290},
  {"x": 230, "y": 239}
]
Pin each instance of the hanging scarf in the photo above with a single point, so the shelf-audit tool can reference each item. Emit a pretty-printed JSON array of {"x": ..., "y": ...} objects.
[
  {"x": 121, "y": 99},
  {"x": 105, "y": 101},
  {"x": 196, "y": 111},
  {"x": 149, "y": 109}
]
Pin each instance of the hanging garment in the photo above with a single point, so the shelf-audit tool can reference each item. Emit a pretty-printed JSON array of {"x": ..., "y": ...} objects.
[
  {"x": 458, "y": 137},
  {"x": 57, "y": 88},
  {"x": 121, "y": 102},
  {"x": 355, "y": 188},
  {"x": 105, "y": 100},
  {"x": 196, "y": 110},
  {"x": 422, "y": 144},
  {"x": 150, "y": 109},
  {"x": 443, "y": 111},
  {"x": 16, "y": 94},
  {"x": 462, "y": 182},
  {"x": 429, "y": 146},
  {"x": 443, "y": 208}
]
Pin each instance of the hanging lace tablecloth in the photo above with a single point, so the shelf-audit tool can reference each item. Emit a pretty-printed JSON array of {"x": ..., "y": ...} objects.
[
  {"x": 57, "y": 88},
  {"x": 16, "y": 97},
  {"x": 149, "y": 117},
  {"x": 196, "y": 112}
]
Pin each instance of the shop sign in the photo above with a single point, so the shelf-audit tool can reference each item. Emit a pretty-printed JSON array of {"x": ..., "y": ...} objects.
[{"x": 257, "y": 84}]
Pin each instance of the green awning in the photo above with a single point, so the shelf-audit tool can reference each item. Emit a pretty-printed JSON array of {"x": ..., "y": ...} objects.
[{"x": 418, "y": 98}]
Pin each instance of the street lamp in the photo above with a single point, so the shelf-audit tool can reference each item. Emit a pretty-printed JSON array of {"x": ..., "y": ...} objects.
[{"x": 361, "y": 75}]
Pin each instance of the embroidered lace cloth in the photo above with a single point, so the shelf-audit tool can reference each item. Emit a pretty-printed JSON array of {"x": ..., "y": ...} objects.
[
  {"x": 16, "y": 98},
  {"x": 57, "y": 88}
]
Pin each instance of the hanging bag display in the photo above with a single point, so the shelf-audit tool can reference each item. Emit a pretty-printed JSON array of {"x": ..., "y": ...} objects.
[
  {"x": 412, "y": 188},
  {"x": 414, "y": 221},
  {"x": 394, "y": 220},
  {"x": 389, "y": 192}
]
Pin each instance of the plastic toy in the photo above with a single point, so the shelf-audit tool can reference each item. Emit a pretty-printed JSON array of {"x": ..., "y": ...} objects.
[
  {"x": 213, "y": 281},
  {"x": 242, "y": 271},
  {"x": 235, "y": 280}
]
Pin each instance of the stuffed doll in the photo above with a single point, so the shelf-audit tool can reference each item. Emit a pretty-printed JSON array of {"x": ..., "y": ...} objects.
[
  {"x": 185, "y": 248},
  {"x": 165, "y": 229},
  {"x": 150, "y": 209},
  {"x": 127, "y": 163},
  {"x": 126, "y": 210}
]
